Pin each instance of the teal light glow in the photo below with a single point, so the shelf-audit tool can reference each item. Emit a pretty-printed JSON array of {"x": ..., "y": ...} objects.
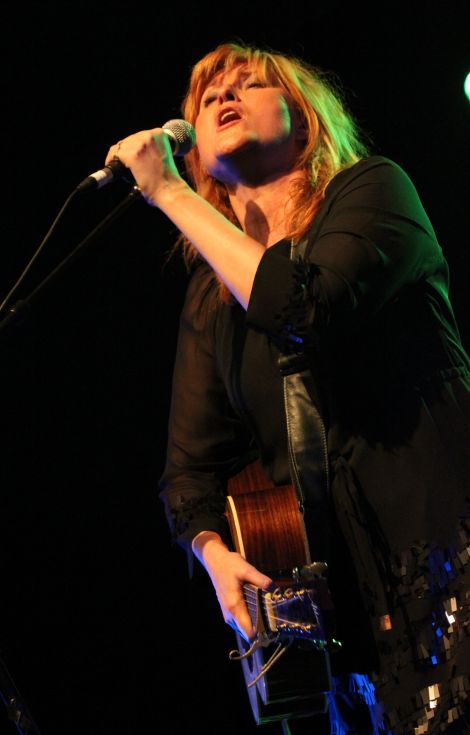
[{"x": 466, "y": 86}]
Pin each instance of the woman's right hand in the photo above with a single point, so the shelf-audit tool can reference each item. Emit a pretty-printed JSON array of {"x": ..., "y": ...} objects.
[
  {"x": 229, "y": 571},
  {"x": 149, "y": 156}
]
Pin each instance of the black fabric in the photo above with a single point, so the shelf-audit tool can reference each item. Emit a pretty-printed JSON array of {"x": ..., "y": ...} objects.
[{"x": 369, "y": 307}]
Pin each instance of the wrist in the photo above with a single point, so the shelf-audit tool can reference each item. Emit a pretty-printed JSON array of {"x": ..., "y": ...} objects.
[
  {"x": 170, "y": 191},
  {"x": 207, "y": 544}
]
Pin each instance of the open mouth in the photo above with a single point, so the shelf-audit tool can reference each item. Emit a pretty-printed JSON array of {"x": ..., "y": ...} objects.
[{"x": 227, "y": 116}]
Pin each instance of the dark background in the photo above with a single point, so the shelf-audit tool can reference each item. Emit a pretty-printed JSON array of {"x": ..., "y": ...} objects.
[{"x": 100, "y": 627}]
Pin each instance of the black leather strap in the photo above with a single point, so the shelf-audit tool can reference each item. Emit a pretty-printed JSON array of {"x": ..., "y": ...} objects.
[{"x": 306, "y": 431}]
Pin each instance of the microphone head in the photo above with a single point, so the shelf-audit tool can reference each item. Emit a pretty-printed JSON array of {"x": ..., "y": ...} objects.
[{"x": 182, "y": 135}]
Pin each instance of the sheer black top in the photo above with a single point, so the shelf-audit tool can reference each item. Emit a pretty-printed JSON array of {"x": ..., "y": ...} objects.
[{"x": 369, "y": 305}]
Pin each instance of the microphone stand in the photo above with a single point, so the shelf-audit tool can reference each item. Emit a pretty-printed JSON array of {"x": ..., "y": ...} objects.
[
  {"x": 19, "y": 308},
  {"x": 16, "y": 708}
]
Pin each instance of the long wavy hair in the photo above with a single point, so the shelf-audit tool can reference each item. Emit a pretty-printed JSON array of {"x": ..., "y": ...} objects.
[{"x": 333, "y": 141}]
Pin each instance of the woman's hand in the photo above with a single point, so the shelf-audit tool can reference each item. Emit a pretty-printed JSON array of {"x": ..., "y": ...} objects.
[
  {"x": 149, "y": 156},
  {"x": 228, "y": 572}
]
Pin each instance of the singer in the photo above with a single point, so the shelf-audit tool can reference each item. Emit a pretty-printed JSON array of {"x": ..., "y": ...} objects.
[{"x": 307, "y": 249}]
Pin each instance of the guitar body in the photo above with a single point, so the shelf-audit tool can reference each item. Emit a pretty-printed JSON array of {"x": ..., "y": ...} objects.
[{"x": 268, "y": 531}]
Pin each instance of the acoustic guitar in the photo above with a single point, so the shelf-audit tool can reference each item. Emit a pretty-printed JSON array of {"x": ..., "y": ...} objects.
[{"x": 287, "y": 667}]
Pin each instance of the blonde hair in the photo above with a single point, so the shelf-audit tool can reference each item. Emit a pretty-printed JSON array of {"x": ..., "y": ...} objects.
[{"x": 333, "y": 141}]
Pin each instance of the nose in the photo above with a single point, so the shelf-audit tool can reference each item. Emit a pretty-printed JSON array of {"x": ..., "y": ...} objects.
[{"x": 227, "y": 93}]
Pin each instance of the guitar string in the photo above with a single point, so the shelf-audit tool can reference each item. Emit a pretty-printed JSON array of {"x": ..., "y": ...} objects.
[
  {"x": 290, "y": 622},
  {"x": 254, "y": 596},
  {"x": 250, "y": 593},
  {"x": 249, "y": 596},
  {"x": 253, "y": 608}
]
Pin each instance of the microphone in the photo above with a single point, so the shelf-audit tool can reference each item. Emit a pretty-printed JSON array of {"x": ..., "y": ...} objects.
[{"x": 182, "y": 137}]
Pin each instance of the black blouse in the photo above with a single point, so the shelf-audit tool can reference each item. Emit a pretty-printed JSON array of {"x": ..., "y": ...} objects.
[
  {"x": 371, "y": 306},
  {"x": 368, "y": 303}
]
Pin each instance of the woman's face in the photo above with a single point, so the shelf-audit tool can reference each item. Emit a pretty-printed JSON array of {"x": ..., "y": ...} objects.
[{"x": 245, "y": 128}]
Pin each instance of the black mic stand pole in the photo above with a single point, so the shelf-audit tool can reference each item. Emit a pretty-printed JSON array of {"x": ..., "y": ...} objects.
[
  {"x": 16, "y": 708},
  {"x": 20, "y": 306}
]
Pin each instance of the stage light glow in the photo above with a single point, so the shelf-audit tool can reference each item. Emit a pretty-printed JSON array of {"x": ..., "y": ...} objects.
[{"x": 466, "y": 86}]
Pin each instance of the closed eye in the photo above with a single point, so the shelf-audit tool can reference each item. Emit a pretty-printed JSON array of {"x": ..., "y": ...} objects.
[{"x": 207, "y": 100}]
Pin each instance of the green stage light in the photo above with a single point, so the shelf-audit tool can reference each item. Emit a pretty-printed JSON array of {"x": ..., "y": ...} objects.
[{"x": 466, "y": 86}]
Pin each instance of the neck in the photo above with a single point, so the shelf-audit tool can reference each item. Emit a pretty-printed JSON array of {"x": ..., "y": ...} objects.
[{"x": 263, "y": 210}]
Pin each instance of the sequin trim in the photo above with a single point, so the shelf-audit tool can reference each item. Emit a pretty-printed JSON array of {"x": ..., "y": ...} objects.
[{"x": 430, "y": 628}]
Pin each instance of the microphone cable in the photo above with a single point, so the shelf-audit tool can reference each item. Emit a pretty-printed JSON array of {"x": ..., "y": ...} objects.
[
  {"x": 20, "y": 305},
  {"x": 38, "y": 251}
]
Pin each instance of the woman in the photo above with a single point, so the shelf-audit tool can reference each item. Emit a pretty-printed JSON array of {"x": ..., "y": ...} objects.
[{"x": 279, "y": 169}]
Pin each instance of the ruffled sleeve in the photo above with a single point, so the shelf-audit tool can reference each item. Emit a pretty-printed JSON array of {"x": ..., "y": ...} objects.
[
  {"x": 205, "y": 437},
  {"x": 374, "y": 238}
]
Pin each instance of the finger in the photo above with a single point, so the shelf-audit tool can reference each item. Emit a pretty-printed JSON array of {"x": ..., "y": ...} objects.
[
  {"x": 113, "y": 152},
  {"x": 244, "y": 622},
  {"x": 162, "y": 143},
  {"x": 236, "y": 614},
  {"x": 233, "y": 624},
  {"x": 159, "y": 135},
  {"x": 243, "y": 628},
  {"x": 252, "y": 575}
]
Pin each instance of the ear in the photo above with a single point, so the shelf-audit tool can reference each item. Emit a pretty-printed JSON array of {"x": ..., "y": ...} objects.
[
  {"x": 301, "y": 129},
  {"x": 301, "y": 133}
]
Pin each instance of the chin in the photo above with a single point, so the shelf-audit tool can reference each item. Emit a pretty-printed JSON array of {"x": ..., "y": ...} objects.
[{"x": 233, "y": 142}]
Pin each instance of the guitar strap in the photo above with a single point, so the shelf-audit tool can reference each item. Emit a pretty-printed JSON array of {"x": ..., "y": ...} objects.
[
  {"x": 307, "y": 443},
  {"x": 309, "y": 465}
]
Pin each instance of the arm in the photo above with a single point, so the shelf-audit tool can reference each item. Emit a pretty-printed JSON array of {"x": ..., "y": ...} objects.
[
  {"x": 205, "y": 440},
  {"x": 374, "y": 238},
  {"x": 232, "y": 254}
]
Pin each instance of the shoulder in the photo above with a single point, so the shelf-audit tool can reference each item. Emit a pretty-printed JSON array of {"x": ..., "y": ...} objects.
[
  {"x": 380, "y": 165},
  {"x": 371, "y": 170},
  {"x": 379, "y": 185}
]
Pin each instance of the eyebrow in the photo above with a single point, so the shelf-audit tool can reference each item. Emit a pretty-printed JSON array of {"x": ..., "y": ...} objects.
[{"x": 241, "y": 76}]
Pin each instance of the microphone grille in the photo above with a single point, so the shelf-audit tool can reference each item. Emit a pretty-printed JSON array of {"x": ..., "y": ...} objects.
[{"x": 183, "y": 134}]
